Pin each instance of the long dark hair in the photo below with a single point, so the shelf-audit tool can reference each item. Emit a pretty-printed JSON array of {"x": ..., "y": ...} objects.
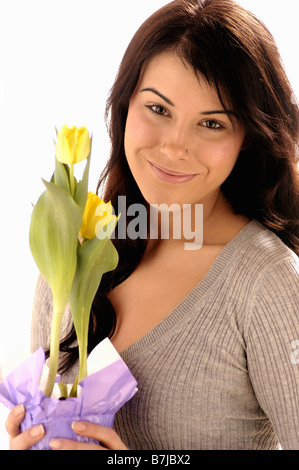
[{"x": 238, "y": 56}]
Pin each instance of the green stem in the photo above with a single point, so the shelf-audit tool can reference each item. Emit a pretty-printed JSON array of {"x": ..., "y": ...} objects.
[
  {"x": 83, "y": 362},
  {"x": 54, "y": 350},
  {"x": 72, "y": 180}
]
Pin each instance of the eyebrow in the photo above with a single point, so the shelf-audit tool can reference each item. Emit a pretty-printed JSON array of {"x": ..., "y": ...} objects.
[
  {"x": 204, "y": 113},
  {"x": 153, "y": 90}
]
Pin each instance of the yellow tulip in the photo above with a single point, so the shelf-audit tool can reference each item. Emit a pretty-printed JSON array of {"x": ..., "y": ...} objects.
[
  {"x": 73, "y": 144},
  {"x": 97, "y": 214}
]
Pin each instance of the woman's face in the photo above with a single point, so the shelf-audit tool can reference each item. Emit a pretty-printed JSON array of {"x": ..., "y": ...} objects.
[{"x": 180, "y": 144}]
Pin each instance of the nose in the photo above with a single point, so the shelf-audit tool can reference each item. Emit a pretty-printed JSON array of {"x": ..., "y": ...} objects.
[{"x": 175, "y": 144}]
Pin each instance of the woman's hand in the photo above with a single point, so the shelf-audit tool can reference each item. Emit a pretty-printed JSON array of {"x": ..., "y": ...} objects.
[
  {"x": 26, "y": 439},
  {"x": 107, "y": 436},
  {"x": 23, "y": 441}
]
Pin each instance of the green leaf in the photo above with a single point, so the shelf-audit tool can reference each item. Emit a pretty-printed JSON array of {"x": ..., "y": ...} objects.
[
  {"x": 82, "y": 187},
  {"x": 53, "y": 238},
  {"x": 95, "y": 257},
  {"x": 62, "y": 389},
  {"x": 61, "y": 175},
  {"x": 73, "y": 392}
]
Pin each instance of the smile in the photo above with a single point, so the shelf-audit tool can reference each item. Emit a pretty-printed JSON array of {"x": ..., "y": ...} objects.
[{"x": 170, "y": 176}]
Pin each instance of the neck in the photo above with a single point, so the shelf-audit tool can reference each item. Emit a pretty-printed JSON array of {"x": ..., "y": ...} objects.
[{"x": 211, "y": 222}]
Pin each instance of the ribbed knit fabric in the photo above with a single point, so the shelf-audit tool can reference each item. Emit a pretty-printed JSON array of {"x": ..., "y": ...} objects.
[{"x": 222, "y": 370}]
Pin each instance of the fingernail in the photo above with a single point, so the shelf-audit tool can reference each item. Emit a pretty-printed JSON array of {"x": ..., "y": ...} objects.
[
  {"x": 19, "y": 410},
  {"x": 37, "y": 431},
  {"x": 55, "y": 444},
  {"x": 78, "y": 426}
]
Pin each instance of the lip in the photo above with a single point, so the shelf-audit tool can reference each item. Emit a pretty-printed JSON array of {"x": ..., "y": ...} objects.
[{"x": 170, "y": 176}]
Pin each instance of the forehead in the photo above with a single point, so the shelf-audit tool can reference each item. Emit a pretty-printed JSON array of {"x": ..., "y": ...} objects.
[{"x": 170, "y": 74}]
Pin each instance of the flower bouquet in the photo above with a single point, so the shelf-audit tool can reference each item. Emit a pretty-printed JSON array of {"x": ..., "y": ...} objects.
[{"x": 70, "y": 241}]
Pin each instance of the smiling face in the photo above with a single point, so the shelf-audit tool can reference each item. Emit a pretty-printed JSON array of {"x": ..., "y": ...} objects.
[{"x": 180, "y": 143}]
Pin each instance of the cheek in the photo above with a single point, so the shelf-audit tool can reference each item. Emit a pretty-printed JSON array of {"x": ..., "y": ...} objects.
[
  {"x": 220, "y": 155},
  {"x": 139, "y": 133}
]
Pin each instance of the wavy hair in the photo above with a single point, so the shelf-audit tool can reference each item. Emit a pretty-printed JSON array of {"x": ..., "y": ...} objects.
[{"x": 238, "y": 56}]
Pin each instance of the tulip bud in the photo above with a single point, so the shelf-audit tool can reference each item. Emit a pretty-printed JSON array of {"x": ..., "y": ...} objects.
[
  {"x": 73, "y": 145},
  {"x": 96, "y": 216}
]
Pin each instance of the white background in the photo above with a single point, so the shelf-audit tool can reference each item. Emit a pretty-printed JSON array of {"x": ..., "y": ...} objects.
[{"x": 58, "y": 59}]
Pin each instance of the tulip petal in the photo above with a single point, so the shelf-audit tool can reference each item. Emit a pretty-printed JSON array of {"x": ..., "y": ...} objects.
[{"x": 83, "y": 144}]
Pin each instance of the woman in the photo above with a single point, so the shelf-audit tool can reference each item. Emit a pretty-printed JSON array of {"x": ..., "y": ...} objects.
[{"x": 201, "y": 113}]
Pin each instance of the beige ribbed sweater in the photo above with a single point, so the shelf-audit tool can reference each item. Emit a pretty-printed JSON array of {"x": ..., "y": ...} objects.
[{"x": 222, "y": 370}]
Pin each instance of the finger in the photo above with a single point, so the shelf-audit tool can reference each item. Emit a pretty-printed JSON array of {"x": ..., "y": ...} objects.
[
  {"x": 14, "y": 420},
  {"x": 24, "y": 440},
  {"x": 28, "y": 438},
  {"x": 107, "y": 436},
  {"x": 67, "y": 444}
]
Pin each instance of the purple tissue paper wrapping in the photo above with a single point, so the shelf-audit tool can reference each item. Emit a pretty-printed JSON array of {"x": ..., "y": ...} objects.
[{"x": 103, "y": 393}]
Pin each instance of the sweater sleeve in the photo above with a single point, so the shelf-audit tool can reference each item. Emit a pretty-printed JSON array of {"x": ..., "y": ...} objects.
[
  {"x": 272, "y": 339},
  {"x": 42, "y": 317}
]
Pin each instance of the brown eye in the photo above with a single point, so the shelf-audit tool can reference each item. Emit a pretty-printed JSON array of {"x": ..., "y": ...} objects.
[
  {"x": 212, "y": 125},
  {"x": 158, "y": 109}
]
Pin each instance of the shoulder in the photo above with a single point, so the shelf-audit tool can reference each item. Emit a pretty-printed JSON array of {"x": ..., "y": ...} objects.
[
  {"x": 261, "y": 250},
  {"x": 271, "y": 273},
  {"x": 259, "y": 268}
]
